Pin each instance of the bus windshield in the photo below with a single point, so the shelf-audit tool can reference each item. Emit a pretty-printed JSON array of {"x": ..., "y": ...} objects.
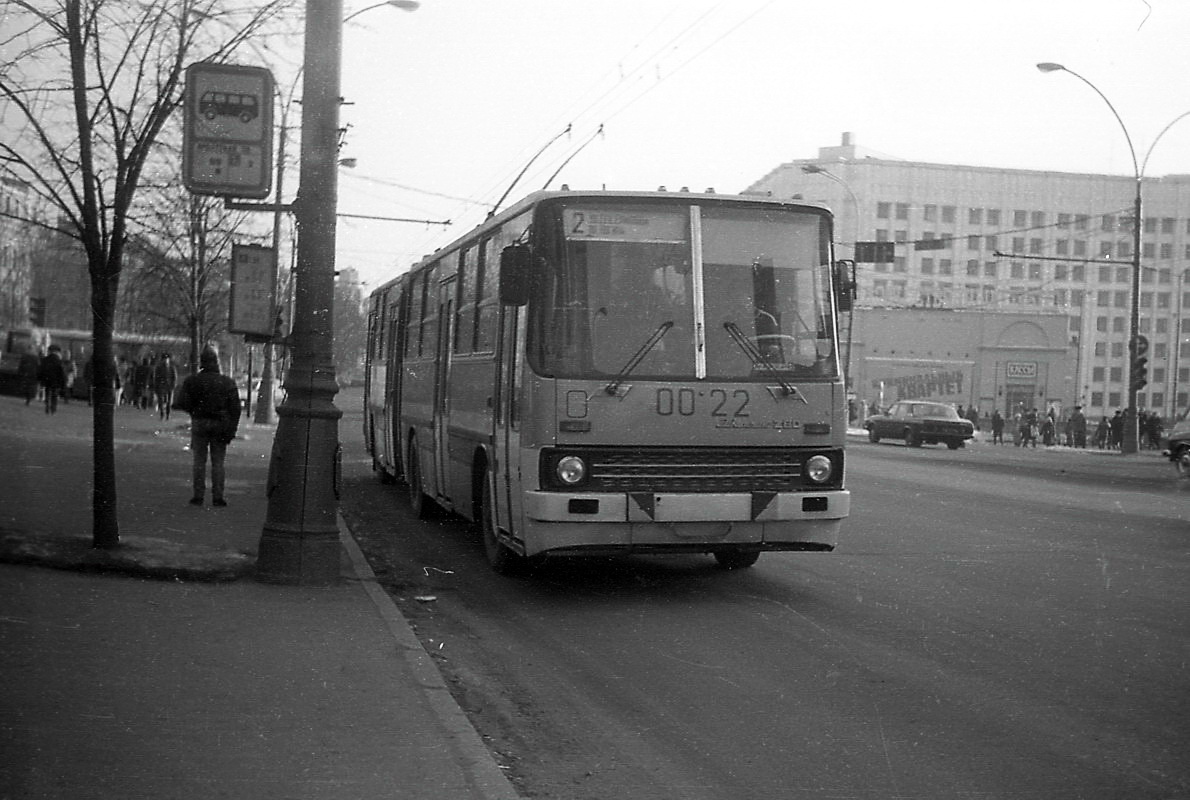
[{"x": 674, "y": 291}]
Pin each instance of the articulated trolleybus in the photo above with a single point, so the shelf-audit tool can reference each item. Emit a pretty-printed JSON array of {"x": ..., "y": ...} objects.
[{"x": 592, "y": 373}]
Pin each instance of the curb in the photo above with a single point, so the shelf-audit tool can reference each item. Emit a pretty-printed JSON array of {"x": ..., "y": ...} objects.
[{"x": 476, "y": 761}]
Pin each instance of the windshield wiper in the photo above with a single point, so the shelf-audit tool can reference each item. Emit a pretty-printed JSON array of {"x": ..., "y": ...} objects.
[
  {"x": 753, "y": 352},
  {"x": 639, "y": 356}
]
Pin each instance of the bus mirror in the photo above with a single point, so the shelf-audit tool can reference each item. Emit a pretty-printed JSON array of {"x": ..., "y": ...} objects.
[
  {"x": 845, "y": 287},
  {"x": 515, "y": 260}
]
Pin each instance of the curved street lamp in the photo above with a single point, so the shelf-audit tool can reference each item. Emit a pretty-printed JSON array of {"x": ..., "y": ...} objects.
[{"x": 1130, "y": 442}]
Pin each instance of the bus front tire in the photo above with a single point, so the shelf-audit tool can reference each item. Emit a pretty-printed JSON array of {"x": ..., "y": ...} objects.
[
  {"x": 736, "y": 559},
  {"x": 501, "y": 557}
]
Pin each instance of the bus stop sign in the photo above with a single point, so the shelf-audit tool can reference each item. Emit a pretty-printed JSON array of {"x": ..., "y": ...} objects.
[{"x": 228, "y": 134}]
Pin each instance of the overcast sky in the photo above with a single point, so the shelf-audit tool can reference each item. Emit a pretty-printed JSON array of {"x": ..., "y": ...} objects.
[{"x": 449, "y": 102}]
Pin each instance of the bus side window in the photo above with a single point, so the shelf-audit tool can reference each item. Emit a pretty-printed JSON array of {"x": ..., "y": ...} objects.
[
  {"x": 417, "y": 309},
  {"x": 465, "y": 304},
  {"x": 487, "y": 303}
]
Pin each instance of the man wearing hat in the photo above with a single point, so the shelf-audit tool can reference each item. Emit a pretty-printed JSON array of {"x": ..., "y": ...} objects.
[{"x": 213, "y": 403}]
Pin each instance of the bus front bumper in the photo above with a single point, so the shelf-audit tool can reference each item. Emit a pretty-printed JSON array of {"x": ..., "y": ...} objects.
[{"x": 659, "y": 522}]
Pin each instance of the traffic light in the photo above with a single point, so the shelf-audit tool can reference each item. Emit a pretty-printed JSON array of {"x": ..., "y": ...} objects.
[
  {"x": 37, "y": 311},
  {"x": 874, "y": 253},
  {"x": 1140, "y": 373}
]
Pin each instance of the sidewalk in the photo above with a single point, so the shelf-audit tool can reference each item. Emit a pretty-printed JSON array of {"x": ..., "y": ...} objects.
[{"x": 201, "y": 682}]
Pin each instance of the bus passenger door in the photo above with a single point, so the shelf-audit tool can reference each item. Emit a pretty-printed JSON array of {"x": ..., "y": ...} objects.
[
  {"x": 507, "y": 437},
  {"x": 441, "y": 420},
  {"x": 394, "y": 347}
]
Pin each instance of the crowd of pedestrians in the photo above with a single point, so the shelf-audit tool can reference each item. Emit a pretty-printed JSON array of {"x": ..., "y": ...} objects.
[
  {"x": 1029, "y": 426},
  {"x": 49, "y": 378},
  {"x": 149, "y": 383}
]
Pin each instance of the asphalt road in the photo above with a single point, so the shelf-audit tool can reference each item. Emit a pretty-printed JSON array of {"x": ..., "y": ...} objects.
[{"x": 995, "y": 624}]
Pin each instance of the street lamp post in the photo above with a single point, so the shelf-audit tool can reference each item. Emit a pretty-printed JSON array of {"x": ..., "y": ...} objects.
[
  {"x": 1130, "y": 443},
  {"x": 299, "y": 543},
  {"x": 814, "y": 169},
  {"x": 300, "y": 540}
]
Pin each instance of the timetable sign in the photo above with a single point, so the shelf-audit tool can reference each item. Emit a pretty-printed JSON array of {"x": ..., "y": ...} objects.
[{"x": 253, "y": 290}]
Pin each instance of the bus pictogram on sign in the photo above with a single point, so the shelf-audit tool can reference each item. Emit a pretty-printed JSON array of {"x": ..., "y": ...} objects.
[{"x": 228, "y": 143}]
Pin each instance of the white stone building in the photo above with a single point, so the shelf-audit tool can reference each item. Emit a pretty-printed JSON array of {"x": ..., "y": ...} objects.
[{"x": 1020, "y": 241}]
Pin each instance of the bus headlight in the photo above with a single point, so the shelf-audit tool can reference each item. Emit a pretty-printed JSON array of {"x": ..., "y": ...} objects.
[
  {"x": 571, "y": 470},
  {"x": 819, "y": 469}
]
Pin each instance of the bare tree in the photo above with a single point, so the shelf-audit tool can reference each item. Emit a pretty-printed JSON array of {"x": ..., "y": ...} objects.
[
  {"x": 86, "y": 87},
  {"x": 351, "y": 326},
  {"x": 184, "y": 281}
]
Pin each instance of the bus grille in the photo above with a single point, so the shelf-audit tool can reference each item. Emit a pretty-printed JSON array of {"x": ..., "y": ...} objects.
[{"x": 679, "y": 469}]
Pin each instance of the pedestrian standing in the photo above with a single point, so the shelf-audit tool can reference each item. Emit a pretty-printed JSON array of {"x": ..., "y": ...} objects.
[
  {"x": 997, "y": 427},
  {"x": 27, "y": 370},
  {"x": 52, "y": 376},
  {"x": 213, "y": 403},
  {"x": 1078, "y": 427},
  {"x": 973, "y": 415},
  {"x": 1115, "y": 429},
  {"x": 165, "y": 378},
  {"x": 142, "y": 378}
]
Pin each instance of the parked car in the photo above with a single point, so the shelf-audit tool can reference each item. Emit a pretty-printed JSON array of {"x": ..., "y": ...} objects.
[
  {"x": 1177, "y": 445},
  {"x": 919, "y": 423}
]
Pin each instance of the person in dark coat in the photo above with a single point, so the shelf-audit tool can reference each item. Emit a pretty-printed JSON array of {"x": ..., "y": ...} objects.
[
  {"x": 213, "y": 403},
  {"x": 52, "y": 376},
  {"x": 165, "y": 378},
  {"x": 27, "y": 371},
  {"x": 997, "y": 427},
  {"x": 1116, "y": 428},
  {"x": 1078, "y": 427},
  {"x": 142, "y": 383}
]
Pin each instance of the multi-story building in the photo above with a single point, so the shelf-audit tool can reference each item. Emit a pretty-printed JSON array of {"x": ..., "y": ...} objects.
[
  {"x": 20, "y": 241},
  {"x": 1049, "y": 243}
]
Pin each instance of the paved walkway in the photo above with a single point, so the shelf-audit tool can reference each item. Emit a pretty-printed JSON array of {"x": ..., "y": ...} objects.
[{"x": 165, "y": 671}]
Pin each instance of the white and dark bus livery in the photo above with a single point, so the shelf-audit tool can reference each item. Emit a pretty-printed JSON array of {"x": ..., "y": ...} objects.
[{"x": 620, "y": 372}]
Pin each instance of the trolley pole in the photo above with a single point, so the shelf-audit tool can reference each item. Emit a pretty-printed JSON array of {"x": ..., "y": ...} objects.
[{"x": 300, "y": 540}]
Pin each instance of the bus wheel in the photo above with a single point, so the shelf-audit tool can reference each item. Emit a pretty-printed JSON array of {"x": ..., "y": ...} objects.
[
  {"x": 421, "y": 503},
  {"x": 736, "y": 559},
  {"x": 503, "y": 559}
]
